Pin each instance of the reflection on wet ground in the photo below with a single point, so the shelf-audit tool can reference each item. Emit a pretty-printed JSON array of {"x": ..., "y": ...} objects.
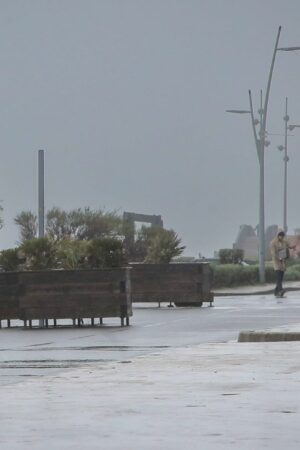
[
  {"x": 26, "y": 353},
  {"x": 15, "y": 370}
]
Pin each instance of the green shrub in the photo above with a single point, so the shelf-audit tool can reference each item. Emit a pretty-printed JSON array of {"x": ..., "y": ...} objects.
[
  {"x": 71, "y": 254},
  {"x": 231, "y": 256},
  {"x": 293, "y": 273},
  {"x": 9, "y": 259},
  {"x": 39, "y": 254},
  {"x": 225, "y": 256},
  {"x": 163, "y": 246},
  {"x": 155, "y": 245},
  {"x": 237, "y": 255},
  {"x": 106, "y": 252}
]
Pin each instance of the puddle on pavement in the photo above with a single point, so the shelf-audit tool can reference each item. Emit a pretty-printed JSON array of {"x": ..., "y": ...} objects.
[
  {"x": 50, "y": 364},
  {"x": 20, "y": 366},
  {"x": 117, "y": 348}
]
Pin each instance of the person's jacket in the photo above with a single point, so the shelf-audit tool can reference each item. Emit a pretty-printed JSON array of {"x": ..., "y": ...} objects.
[{"x": 277, "y": 246}]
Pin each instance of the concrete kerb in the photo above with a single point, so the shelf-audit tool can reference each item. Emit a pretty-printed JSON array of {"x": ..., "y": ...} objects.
[
  {"x": 268, "y": 336},
  {"x": 286, "y": 333}
]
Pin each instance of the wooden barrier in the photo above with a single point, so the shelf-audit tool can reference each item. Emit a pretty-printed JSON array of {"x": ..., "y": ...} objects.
[
  {"x": 82, "y": 294},
  {"x": 66, "y": 294},
  {"x": 183, "y": 284}
]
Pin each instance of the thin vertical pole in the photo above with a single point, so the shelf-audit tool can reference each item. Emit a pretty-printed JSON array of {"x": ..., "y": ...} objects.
[
  {"x": 263, "y": 121},
  {"x": 41, "y": 203},
  {"x": 285, "y": 159},
  {"x": 41, "y": 199},
  {"x": 261, "y": 230}
]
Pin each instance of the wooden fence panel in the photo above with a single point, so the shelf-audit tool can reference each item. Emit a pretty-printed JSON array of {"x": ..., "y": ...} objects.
[
  {"x": 182, "y": 284},
  {"x": 65, "y": 294}
]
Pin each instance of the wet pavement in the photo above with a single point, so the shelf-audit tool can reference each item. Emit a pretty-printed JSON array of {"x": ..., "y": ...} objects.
[
  {"x": 170, "y": 381},
  {"x": 34, "y": 353},
  {"x": 220, "y": 396}
]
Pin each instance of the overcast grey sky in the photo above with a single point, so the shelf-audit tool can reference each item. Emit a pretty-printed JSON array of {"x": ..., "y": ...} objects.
[{"x": 128, "y": 99}]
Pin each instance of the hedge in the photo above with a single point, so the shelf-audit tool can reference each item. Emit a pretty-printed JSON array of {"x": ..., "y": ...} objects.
[
  {"x": 229, "y": 275},
  {"x": 293, "y": 273}
]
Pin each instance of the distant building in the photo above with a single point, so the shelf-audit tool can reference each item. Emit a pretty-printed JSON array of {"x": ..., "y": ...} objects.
[{"x": 247, "y": 240}]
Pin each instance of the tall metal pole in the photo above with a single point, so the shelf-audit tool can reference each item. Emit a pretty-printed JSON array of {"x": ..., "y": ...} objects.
[
  {"x": 41, "y": 203},
  {"x": 285, "y": 159},
  {"x": 41, "y": 195},
  {"x": 261, "y": 229},
  {"x": 262, "y": 275}
]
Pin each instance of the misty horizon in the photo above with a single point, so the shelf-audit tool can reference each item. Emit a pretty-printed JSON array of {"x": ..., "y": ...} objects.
[{"x": 128, "y": 100}]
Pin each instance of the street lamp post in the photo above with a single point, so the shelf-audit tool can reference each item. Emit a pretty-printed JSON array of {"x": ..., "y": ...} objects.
[
  {"x": 261, "y": 159},
  {"x": 41, "y": 193},
  {"x": 260, "y": 144},
  {"x": 286, "y": 158},
  {"x": 263, "y": 124},
  {"x": 41, "y": 204}
]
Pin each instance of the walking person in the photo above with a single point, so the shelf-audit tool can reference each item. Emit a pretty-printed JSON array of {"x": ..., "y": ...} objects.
[{"x": 280, "y": 253}]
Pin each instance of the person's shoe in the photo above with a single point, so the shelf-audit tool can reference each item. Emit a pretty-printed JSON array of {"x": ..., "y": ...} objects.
[{"x": 281, "y": 293}]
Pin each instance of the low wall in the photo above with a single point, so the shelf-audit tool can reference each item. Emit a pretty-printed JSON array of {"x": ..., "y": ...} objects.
[
  {"x": 183, "y": 284},
  {"x": 66, "y": 294}
]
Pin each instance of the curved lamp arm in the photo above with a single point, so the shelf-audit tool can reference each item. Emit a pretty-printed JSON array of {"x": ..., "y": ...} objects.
[
  {"x": 269, "y": 81},
  {"x": 253, "y": 125}
]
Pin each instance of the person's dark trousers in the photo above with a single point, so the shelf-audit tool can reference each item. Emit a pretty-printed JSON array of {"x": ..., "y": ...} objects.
[{"x": 279, "y": 278}]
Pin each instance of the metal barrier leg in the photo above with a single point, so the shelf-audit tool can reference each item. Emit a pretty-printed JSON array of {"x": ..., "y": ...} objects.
[
  {"x": 30, "y": 323},
  {"x": 74, "y": 322},
  {"x": 25, "y": 323},
  {"x": 122, "y": 321},
  {"x": 79, "y": 322},
  {"x": 47, "y": 323},
  {"x": 0, "y": 324},
  {"x": 101, "y": 320},
  {"x": 54, "y": 323},
  {"x": 8, "y": 323},
  {"x": 92, "y": 321}
]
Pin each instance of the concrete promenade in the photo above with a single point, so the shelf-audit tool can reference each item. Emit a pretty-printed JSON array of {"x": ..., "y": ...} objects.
[{"x": 209, "y": 396}]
